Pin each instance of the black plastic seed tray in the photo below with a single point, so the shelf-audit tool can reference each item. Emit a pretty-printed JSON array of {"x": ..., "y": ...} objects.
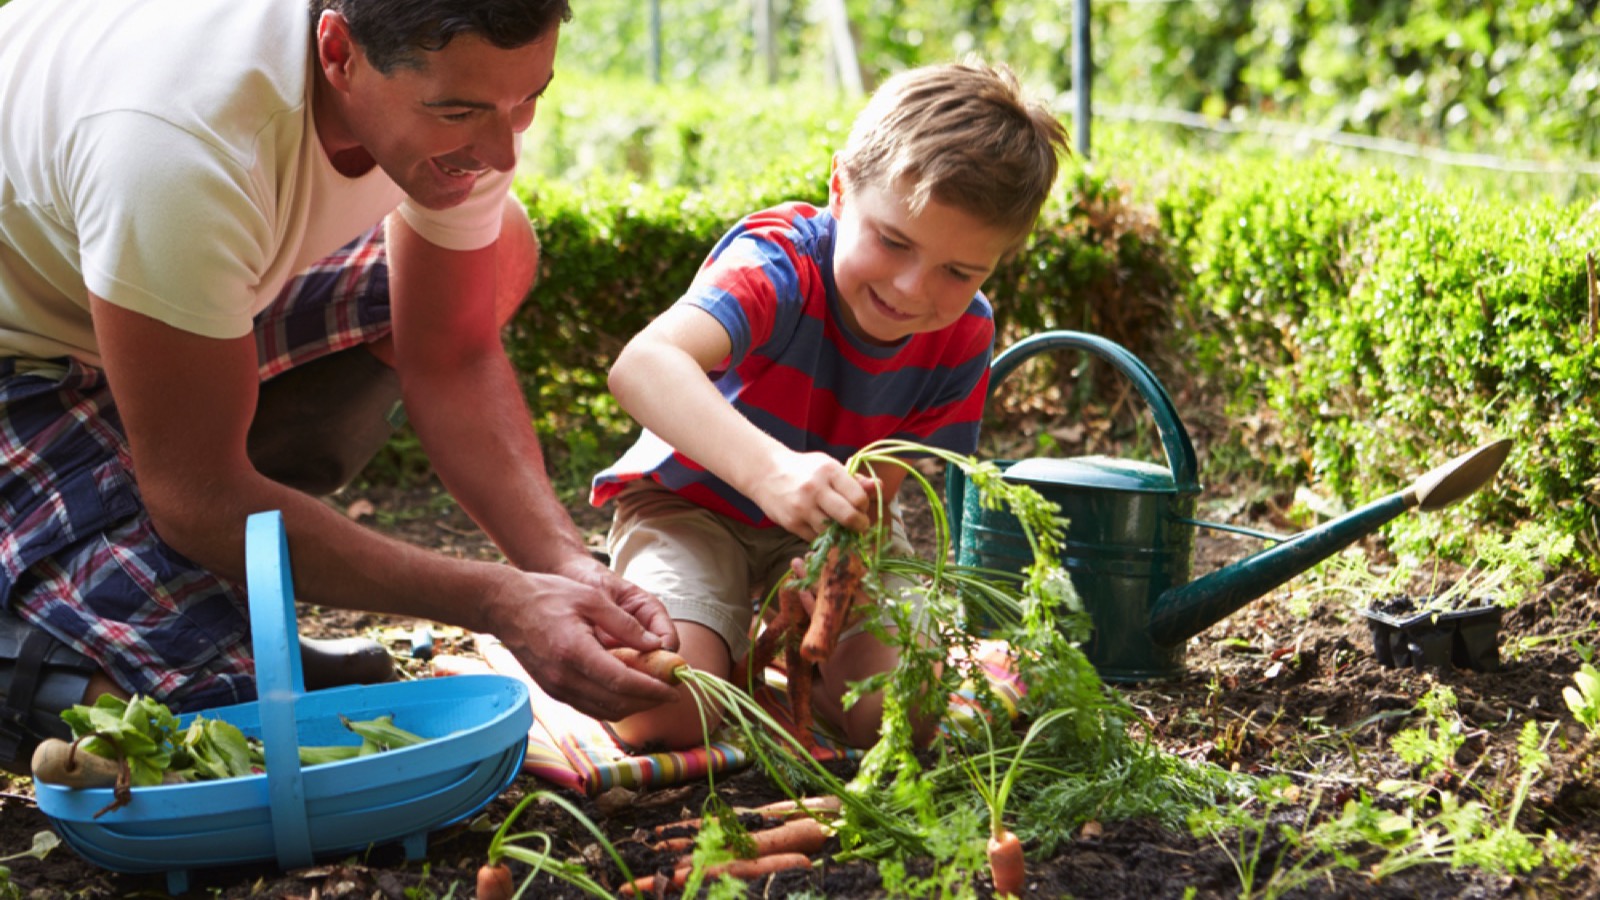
[{"x": 1461, "y": 639}]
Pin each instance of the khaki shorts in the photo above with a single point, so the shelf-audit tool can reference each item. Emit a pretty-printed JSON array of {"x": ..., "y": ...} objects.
[{"x": 705, "y": 567}]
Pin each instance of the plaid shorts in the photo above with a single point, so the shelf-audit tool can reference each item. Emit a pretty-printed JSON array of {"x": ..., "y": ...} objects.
[{"x": 79, "y": 556}]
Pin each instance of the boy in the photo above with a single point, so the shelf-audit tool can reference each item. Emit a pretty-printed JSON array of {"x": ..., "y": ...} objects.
[{"x": 808, "y": 334}]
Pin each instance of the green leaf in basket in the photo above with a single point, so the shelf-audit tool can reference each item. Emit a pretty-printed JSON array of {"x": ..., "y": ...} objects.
[
  {"x": 216, "y": 749},
  {"x": 140, "y": 730}
]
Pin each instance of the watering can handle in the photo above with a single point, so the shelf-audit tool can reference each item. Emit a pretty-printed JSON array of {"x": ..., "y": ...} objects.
[{"x": 1174, "y": 438}]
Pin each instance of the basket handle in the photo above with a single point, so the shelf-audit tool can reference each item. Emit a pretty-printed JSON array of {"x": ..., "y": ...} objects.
[
  {"x": 1174, "y": 438},
  {"x": 279, "y": 681}
]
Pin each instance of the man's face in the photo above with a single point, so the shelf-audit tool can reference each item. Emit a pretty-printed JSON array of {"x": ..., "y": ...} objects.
[
  {"x": 434, "y": 130},
  {"x": 900, "y": 273}
]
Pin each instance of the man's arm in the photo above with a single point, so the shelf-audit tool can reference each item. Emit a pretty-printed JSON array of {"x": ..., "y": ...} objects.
[
  {"x": 464, "y": 400},
  {"x": 186, "y": 403}
]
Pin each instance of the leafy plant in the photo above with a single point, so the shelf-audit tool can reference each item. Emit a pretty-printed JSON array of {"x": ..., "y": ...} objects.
[
  {"x": 1257, "y": 843},
  {"x": 995, "y": 789},
  {"x": 43, "y": 843},
  {"x": 1433, "y": 824},
  {"x": 904, "y": 802},
  {"x": 143, "y": 736},
  {"x": 1478, "y": 833},
  {"x": 1504, "y": 570},
  {"x": 507, "y": 844},
  {"x": 1583, "y": 698}
]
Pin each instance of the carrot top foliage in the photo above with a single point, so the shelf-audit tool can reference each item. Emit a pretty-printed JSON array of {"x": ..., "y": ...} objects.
[{"x": 1067, "y": 749}]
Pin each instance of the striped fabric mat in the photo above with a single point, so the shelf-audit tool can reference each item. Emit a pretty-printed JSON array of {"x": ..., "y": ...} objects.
[{"x": 574, "y": 751}]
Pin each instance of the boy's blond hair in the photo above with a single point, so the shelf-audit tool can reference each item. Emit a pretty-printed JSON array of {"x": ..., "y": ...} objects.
[{"x": 964, "y": 134}]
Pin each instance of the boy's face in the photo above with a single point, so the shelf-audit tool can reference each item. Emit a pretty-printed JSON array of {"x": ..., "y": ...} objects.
[
  {"x": 437, "y": 129},
  {"x": 900, "y": 274}
]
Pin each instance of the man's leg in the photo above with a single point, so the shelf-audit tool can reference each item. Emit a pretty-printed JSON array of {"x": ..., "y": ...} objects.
[
  {"x": 90, "y": 601},
  {"x": 330, "y": 398}
]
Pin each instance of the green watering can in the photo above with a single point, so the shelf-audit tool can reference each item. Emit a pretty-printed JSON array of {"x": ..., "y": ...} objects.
[{"x": 1131, "y": 528}]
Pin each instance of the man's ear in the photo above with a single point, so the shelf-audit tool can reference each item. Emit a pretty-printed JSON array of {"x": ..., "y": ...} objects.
[{"x": 336, "y": 49}]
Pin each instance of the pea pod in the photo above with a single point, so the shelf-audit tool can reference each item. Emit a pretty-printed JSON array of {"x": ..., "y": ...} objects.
[
  {"x": 316, "y": 756},
  {"x": 382, "y": 734}
]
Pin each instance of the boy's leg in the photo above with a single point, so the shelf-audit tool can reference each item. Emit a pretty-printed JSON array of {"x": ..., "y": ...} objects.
[
  {"x": 689, "y": 559},
  {"x": 330, "y": 399}
]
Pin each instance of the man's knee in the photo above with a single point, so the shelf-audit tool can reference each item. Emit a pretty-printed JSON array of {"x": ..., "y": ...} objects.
[
  {"x": 318, "y": 425},
  {"x": 517, "y": 255}
]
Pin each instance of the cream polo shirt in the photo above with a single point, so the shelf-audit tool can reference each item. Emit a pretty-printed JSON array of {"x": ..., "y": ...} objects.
[{"x": 162, "y": 155}]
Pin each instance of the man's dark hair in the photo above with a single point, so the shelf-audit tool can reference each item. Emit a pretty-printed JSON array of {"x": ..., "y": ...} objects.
[{"x": 395, "y": 33}]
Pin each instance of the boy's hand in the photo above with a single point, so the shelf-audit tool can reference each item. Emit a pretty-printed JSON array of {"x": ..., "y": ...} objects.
[{"x": 806, "y": 491}]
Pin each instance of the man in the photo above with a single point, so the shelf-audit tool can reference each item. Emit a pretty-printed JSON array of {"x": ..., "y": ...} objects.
[{"x": 170, "y": 171}]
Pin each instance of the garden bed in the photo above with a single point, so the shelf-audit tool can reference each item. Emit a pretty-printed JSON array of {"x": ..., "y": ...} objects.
[{"x": 1267, "y": 692}]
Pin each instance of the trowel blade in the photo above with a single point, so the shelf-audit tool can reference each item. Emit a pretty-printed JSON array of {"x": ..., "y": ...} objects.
[{"x": 1460, "y": 477}]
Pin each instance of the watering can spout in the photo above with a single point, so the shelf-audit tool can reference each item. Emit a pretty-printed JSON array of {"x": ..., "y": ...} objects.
[{"x": 1184, "y": 611}]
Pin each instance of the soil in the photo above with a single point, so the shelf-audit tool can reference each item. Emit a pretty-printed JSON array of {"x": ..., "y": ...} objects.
[{"x": 1268, "y": 690}]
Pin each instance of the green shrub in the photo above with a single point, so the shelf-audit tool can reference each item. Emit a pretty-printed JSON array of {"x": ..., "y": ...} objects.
[{"x": 1389, "y": 326}]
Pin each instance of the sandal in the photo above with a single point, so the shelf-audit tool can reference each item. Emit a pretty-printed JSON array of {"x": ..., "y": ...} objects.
[{"x": 39, "y": 677}]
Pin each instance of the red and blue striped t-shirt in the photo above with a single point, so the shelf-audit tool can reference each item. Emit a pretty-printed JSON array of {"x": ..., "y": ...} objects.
[{"x": 800, "y": 375}]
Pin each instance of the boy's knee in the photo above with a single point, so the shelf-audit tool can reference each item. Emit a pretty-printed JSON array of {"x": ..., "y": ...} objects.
[
  {"x": 676, "y": 726},
  {"x": 862, "y": 723}
]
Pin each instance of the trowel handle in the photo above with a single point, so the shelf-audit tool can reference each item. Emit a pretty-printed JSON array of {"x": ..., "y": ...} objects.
[{"x": 1174, "y": 438}]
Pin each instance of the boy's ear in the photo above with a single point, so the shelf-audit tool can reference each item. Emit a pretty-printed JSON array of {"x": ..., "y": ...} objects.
[{"x": 836, "y": 183}]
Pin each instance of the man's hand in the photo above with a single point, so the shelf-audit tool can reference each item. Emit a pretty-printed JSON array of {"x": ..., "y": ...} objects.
[
  {"x": 558, "y": 628},
  {"x": 646, "y": 620}
]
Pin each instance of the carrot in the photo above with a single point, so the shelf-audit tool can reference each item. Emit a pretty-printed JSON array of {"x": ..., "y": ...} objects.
[
  {"x": 791, "y": 616},
  {"x": 494, "y": 882},
  {"x": 65, "y": 763},
  {"x": 742, "y": 869},
  {"x": 664, "y": 827},
  {"x": 1006, "y": 864},
  {"x": 837, "y": 586},
  {"x": 799, "y": 672},
  {"x": 777, "y": 811},
  {"x": 662, "y": 665},
  {"x": 674, "y": 844},
  {"x": 791, "y": 808},
  {"x": 802, "y": 835}
]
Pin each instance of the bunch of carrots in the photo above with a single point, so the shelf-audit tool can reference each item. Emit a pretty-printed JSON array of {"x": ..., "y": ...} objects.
[
  {"x": 795, "y": 830},
  {"x": 807, "y": 638}
]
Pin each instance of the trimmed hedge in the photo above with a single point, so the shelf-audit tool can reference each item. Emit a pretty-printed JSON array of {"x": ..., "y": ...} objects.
[{"x": 1388, "y": 325}]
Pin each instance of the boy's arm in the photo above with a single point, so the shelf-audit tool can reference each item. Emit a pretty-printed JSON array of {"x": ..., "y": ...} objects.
[{"x": 660, "y": 379}]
